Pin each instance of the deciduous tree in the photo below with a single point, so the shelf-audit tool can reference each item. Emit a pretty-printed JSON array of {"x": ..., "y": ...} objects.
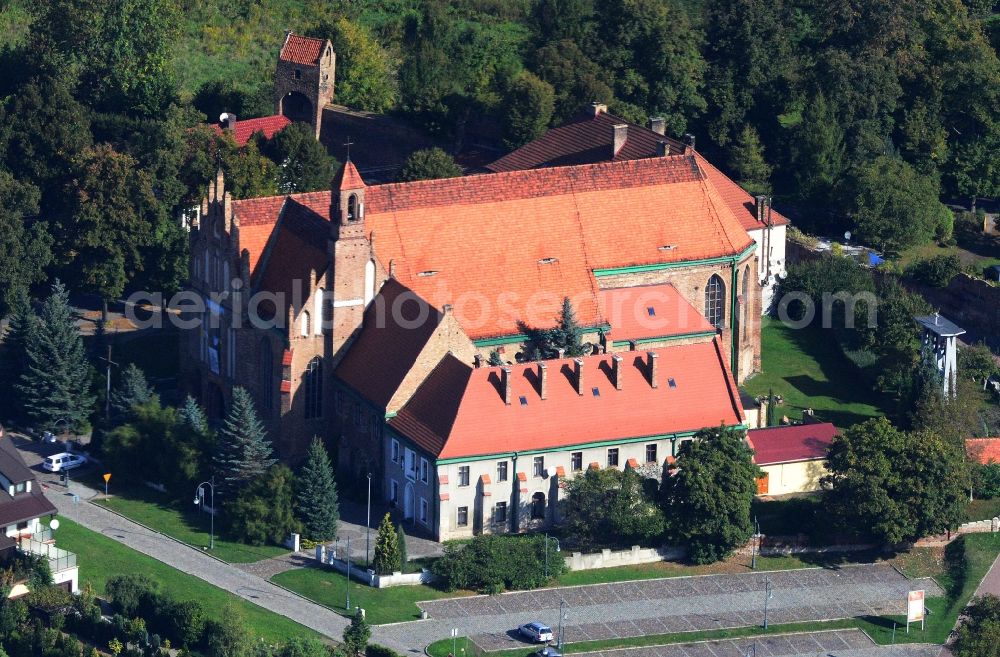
[
  {"x": 366, "y": 74},
  {"x": 528, "y": 109},
  {"x": 303, "y": 165},
  {"x": 429, "y": 164}
]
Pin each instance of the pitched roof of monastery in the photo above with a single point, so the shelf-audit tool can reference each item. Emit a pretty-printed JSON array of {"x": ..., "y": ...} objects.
[
  {"x": 388, "y": 344},
  {"x": 459, "y": 411},
  {"x": 800, "y": 442},
  {"x": 509, "y": 246},
  {"x": 243, "y": 130},
  {"x": 650, "y": 311},
  {"x": 301, "y": 49},
  {"x": 588, "y": 139}
]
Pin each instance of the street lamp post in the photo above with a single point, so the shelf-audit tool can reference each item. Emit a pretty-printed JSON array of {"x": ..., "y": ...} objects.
[
  {"x": 767, "y": 596},
  {"x": 199, "y": 495},
  {"x": 368, "y": 523},
  {"x": 751, "y": 650},
  {"x": 348, "y": 573},
  {"x": 563, "y": 616},
  {"x": 547, "y": 539}
]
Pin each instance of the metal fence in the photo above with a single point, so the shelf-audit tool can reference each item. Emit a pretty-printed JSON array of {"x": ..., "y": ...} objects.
[{"x": 59, "y": 559}]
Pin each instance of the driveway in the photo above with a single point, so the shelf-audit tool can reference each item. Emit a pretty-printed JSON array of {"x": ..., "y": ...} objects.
[{"x": 628, "y": 609}]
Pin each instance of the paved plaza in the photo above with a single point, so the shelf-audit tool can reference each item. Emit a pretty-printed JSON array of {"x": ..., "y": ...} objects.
[
  {"x": 836, "y": 643},
  {"x": 680, "y": 604}
]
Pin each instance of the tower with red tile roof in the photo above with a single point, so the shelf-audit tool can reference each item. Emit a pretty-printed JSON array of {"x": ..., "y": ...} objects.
[{"x": 303, "y": 81}]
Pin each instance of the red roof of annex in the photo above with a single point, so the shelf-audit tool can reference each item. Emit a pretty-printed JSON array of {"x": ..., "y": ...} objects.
[
  {"x": 243, "y": 130},
  {"x": 694, "y": 389},
  {"x": 799, "y": 442},
  {"x": 983, "y": 450}
]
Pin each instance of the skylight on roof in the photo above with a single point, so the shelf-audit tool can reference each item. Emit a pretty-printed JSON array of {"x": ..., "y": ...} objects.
[
  {"x": 668, "y": 247},
  {"x": 671, "y": 383},
  {"x": 651, "y": 311},
  {"x": 429, "y": 272},
  {"x": 596, "y": 391},
  {"x": 548, "y": 261},
  {"x": 524, "y": 400}
]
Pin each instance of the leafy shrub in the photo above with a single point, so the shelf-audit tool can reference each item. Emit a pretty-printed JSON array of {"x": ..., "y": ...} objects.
[
  {"x": 937, "y": 271},
  {"x": 375, "y": 650},
  {"x": 987, "y": 480},
  {"x": 492, "y": 564},
  {"x": 128, "y": 593}
]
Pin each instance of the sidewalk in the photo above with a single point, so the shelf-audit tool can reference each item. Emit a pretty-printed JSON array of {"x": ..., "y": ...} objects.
[{"x": 189, "y": 560}]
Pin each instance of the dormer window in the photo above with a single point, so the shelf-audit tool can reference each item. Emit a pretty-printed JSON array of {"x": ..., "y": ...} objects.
[{"x": 352, "y": 207}]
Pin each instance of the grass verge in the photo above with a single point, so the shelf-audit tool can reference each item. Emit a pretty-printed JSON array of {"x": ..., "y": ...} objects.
[
  {"x": 809, "y": 370},
  {"x": 328, "y": 587},
  {"x": 167, "y": 516},
  {"x": 101, "y": 558}
]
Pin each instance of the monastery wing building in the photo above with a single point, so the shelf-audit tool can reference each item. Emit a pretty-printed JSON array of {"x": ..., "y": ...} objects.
[{"x": 366, "y": 315}]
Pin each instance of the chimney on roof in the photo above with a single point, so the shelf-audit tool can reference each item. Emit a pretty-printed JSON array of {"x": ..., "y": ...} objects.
[
  {"x": 446, "y": 309},
  {"x": 392, "y": 269},
  {"x": 562, "y": 353},
  {"x": 658, "y": 124},
  {"x": 505, "y": 383},
  {"x": 478, "y": 360},
  {"x": 619, "y": 136},
  {"x": 543, "y": 384},
  {"x": 689, "y": 144},
  {"x": 227, "y": 120},
  {"x": 760, "y": 205},
  {"x": 616, "y": 370},
  {"x": 578, "y": 370},
  {"x": 651, "y": 358},
  {"x": 596, "y": 109},
  {"x": 662, "y": 149}
]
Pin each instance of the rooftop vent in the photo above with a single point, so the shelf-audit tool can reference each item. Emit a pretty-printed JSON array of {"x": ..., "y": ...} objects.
[
  {"x": 667, "y": 247},
  {"x": 651, "y": 311},
  {"x": 523, "y": 400},
  {"x": 596, "y": 391},
  {"x": 548, "y": 261},
  {"x": 671, "y": 383},
  {"x": 429, "y": 272}
]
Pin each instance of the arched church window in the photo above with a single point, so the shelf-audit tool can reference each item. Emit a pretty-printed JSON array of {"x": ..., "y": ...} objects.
[{"x": 715, "y": 301}]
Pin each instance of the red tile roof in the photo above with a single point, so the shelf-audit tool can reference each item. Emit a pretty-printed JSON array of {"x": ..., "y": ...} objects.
[
  {"x": 384, "y": 351},
  {"x": 588, "y": 139},
  {"x": 451, "y": 239},
  {"x": 651, "y": 311},
  {"x": 301, "y": 49},
  {"x": 983, "y": 450},
  {"x": 347, "y": 177},
  {"x": 739, "y": 200},
  {"x": 800, "y": 442},
  {"x": 459, "y": 411},
  {"x": 585, "y": 139},
  {"x": 243, "y": 130}
]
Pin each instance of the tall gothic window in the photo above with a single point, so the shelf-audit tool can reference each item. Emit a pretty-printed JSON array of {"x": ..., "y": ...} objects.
[
  {"x": 313, "y": 380},
  {"x": 715, "y": 301},
  {"x": 266, "y": 375},
  {"x": 746, "y": 301}
]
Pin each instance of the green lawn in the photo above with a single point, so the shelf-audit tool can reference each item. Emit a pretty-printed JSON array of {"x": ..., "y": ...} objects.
[
  {"x": 390, "y": 605},
  {"x": 190, "y": 526},
  {"x": 982, "y": 510},
  {"x": 101, "y": 558},
  {"x": 660, "y": 569},
  {"x": 807, "y": 368}
]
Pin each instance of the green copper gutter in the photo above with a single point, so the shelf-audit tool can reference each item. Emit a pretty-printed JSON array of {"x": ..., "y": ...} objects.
[
  {"x": 663, "y": 338},
  {"x": 517, "y": 338},
  {"x": 659, "y": 266}
]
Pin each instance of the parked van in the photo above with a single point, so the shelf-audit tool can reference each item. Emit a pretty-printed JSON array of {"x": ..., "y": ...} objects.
[{"x": 63, "y": 461}]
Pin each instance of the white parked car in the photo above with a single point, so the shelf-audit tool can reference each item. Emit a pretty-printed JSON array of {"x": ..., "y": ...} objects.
[
  {"x": 63, "y": 461},
  {"x": 536, "y": 632}
]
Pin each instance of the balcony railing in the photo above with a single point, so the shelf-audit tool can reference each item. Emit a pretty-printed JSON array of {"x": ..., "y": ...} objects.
[{"x": 59, "y": 559}]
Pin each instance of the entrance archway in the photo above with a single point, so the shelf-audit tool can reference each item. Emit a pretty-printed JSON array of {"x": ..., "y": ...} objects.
[{"x": 297, "y": 107}]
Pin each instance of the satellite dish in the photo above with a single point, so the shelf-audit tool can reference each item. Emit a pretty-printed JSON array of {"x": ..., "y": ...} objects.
[
  {"x": 223, "y": 117},
  {"x": 847, "y": 235},
  {"x": 54, "y": 524}
]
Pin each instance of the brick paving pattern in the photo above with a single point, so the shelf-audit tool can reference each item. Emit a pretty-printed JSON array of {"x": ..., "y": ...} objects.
[
  {"x": 837, "y": 643},
  {"x": 680, "y": 604}
]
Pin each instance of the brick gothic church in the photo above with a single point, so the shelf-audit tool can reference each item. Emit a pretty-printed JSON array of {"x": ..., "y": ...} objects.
[{"x": 366, "y": 315}]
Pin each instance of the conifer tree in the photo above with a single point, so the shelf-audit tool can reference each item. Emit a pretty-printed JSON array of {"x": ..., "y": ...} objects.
[
  {"x": 192, "y": 417},
  {"x": 356, "y": 636},
  {"x": 55, "y": 384},
  {"x": 244, "y": 451},
  {"x": 386, "y": 548},
  {"x": 133, "y": 389},
  {"x": 316, "y": 502},
  {"x": 748, "y": 163},
  {"x": 401, "y": 545},
  {"x": 495, "y": 358},
  {"x": 21, "y": 324}
]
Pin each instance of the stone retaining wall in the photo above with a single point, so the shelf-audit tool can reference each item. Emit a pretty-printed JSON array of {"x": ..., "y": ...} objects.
[
  {"x": 369, "y": 577},
  {"x": 612, "y": 558}
]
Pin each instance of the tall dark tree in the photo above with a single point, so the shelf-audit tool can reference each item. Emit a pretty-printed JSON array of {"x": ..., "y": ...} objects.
[
  {"x": 25, "y": 243},
  {"x": 22, "y": 324},
  {"x": 356, "y": 636},
  {"x": 895, "y": 486},
  {"x": 132, "y": 390},
  {"x": 55, "y": 385},
  {"x": 576, "y": 79},
  {"x": 528, "y": 109},
  {"x": 303, "y": 163},
  {"x": 111, "y": 218},
  {"x": 386, "y": 560},
  {"x": 818, "y": 153},
  {"x": 747, "y": 161},
  {"x": 316, "y": 498},
  {"x": 546, "y": 343},
  {"x": 244, "y": 452},
  {"x": 708, "y": 491},
  {"x": 263, "y": 510}
]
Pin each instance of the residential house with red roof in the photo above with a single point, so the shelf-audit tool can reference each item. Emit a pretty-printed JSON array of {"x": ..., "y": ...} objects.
[
  {"x": 595, "y": 135},
  {"x": 365, "y": 315},
  {"x": 793, "y": 457}
]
